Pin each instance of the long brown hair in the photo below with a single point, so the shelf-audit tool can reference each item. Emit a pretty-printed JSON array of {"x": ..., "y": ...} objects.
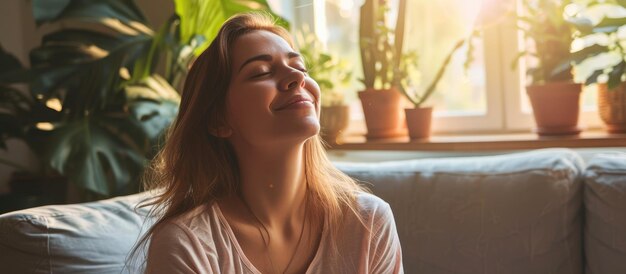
[{"x": 194, "y": 168}]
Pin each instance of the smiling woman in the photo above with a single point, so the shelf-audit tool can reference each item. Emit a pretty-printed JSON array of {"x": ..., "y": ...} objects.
[
  {"x": 243, "y": 184},
  {"x": 269, "y": 94}
]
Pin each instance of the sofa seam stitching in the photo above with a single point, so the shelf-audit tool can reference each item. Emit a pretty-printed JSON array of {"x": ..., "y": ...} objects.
[{"x": 48, "y": 246}]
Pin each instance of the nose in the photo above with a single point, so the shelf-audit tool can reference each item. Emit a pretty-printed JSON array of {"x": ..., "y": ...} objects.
[{"x": 293, "y": 79}]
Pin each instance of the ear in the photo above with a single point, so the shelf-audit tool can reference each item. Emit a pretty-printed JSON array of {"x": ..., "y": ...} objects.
[{"x": 221, "y": 132}]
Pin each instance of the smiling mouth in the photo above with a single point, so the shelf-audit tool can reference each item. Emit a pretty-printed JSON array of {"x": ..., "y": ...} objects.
[{"x": 297, "y": 104}]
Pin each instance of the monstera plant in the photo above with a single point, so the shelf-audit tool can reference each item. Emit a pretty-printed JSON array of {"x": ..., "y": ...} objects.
[{"x": 95, "y": 108}]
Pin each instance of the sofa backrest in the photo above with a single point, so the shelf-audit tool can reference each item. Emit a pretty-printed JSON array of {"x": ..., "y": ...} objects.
[
  {"x": 605, "y": 214},
  {"x": 516, "y": 213}
]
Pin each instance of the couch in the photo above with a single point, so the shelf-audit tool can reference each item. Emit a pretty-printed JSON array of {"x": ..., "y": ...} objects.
[{"x": 544, "y": 211}]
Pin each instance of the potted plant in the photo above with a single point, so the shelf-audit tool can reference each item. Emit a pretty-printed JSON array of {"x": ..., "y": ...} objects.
[
  {"x": 419, "y": 118},
  {"x": 601, "y": 57},
  {"x": 23, "y": 190},
  {"x": 329, "y": 72},
  {"x": 95, "y": 108},
  {"x": 554, "y": 97},
  {"x": 381, "y": 57},
  {"x": 388, "y": 68}
]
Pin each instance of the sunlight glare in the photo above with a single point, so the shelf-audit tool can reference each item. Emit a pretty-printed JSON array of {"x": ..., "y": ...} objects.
[
  {"x": 45, "y": 126},
  {"x": 55, "y": 104}
]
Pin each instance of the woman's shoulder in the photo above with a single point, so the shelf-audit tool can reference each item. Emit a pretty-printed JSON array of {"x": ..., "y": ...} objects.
[
  {"x": 372, "y": 207},
  {"x": 368, "y": 201}
]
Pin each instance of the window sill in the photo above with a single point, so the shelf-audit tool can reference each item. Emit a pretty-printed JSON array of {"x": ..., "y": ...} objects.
[{"x": 486, "y": 142}]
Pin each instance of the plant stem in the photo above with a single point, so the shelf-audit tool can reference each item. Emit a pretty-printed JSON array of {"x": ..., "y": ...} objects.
[{"x": 440, "y": 72}]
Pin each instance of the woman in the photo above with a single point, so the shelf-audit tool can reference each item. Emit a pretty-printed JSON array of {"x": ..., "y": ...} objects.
[{"x": 244, "y": 185}]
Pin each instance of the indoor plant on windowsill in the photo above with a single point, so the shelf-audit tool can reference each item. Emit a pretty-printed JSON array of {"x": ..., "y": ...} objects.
[
  {"x": 554, "y": 96},
  {"x": 600, "y": 52},
  {"x": 419, "y": 118},
  {"x": 329, "y": 72},
  {"x": 381, "y": 54},
  {"x": 387, "y": 67}
]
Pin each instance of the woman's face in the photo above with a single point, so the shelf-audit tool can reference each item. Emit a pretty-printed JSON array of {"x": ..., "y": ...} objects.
[{"x": 270, "y": 98}]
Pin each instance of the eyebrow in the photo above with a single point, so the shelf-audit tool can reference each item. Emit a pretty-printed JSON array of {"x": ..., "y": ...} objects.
[{"x": 267, "y": 58}]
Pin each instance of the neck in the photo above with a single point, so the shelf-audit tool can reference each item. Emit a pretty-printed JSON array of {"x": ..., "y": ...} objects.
[{"x": 273, "y": 184}]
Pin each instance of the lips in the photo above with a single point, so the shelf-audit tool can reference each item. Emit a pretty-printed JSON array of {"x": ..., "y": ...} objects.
[{"x": 294, "y": 101}]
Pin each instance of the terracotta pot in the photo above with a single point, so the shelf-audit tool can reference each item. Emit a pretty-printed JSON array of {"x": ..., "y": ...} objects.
[
  {"x": 612, "y": 107},
  {"x": 333, "y": 121},
  {"x": 383, "y": 111},
  {"x": 556, "y": 107},
  {"x": 418, "y": 120}
]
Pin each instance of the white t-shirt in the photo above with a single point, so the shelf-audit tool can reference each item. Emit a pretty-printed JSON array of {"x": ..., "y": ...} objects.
[{"x": 205, "y": 243}]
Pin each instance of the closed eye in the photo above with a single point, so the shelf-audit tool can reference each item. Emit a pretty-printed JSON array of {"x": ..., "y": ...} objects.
[{"x": 259, "y": 75}]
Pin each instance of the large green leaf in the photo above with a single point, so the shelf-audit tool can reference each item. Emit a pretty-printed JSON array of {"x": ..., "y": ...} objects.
[
  {"x": 205, "y": 17},
  {"x": 71, "y": 54},
  {"x": 13, "y": 100},
  {"x": 88, "y": 10},
  {"x": 588, "y": 52},
  {"x": 45, "y": 10},
  {"x": 593, "y": 78},
  {"x": 95, "y": 157},
  {"x": 612, "y": 22},
  {"x": 67, "y": 55},
  {"x": 615, "y": 76},
  {"x": 582, "y": 24},
  {"x": 153, "y": 105}
]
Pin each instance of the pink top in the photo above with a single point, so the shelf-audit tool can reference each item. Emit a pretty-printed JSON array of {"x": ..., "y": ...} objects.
[{"x": 205, "y": 243}]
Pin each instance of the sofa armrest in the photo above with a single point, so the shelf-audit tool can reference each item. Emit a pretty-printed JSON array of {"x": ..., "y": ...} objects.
[
  {"x": 81, "y": 238},
  {"x": 605, "y": 214}
]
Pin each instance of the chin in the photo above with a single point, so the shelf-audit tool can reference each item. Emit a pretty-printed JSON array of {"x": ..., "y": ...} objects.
[
  {"x": 308, "y": 128},
  {"x": 299, "y": 131}
]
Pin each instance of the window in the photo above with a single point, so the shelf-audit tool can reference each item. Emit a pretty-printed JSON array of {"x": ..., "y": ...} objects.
[{"x": 487, "y": 97}]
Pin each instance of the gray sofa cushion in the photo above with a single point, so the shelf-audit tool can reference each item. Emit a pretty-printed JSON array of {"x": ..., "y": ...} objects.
[
  {"x": 517, "y": 213},
  {"x": 605, "y": 214},
  {"x": 82, "y": 238}
]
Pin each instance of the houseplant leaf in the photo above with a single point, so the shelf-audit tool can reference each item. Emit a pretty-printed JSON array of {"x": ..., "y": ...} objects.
[
  {"x": 96, "y": 157},
  {"x": 153, "y": 105},
  {"x": 69, "y": 53},
  {"x": 13, "y": 102},
  {"x": 615, "y": 76},
  {"x": 205, "y": 17},
  {"x": 609, "y": 25},
  {"x": 45, "y": 11},
  {"x": 588, "y": 52}
]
